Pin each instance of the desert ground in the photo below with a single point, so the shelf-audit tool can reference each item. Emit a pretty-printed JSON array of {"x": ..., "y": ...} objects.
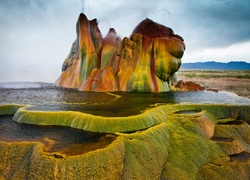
[{"x": 235, "y": 81}]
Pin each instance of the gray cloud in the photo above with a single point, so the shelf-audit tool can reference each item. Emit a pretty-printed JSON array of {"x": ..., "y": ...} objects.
[
  {"x": 219, "y": 23},
  {"x": 207, "y": 23}
]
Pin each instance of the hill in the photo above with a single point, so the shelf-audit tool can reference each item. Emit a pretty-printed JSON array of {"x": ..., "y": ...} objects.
[{"x": 233, "y": 65}]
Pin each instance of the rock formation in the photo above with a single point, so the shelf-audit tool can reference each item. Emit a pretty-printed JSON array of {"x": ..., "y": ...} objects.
[
  {"x": 189, "y": 86},
  {"x": 145, "y": 62}
]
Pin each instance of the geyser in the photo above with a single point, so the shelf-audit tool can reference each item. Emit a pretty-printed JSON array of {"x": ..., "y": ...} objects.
[{"x": 144, "y": 62}]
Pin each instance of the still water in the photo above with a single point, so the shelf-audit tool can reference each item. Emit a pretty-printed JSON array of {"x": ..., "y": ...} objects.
[
  {"x": 46, "y": 97},
  {"x": 65, "y": 140}
]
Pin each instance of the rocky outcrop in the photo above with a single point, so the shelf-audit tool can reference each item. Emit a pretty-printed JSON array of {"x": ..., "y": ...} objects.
[
  {"x": 189, "y": 86},
  {"x": 144, "y": 62}
]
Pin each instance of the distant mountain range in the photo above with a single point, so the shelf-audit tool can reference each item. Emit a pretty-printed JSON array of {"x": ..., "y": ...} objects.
[{"x": 233, "y": 65}]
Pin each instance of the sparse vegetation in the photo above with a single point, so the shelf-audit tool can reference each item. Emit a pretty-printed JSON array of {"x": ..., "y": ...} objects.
[
  {"x": 215, "y": 73},
  {"x": 237, "y": 81}
]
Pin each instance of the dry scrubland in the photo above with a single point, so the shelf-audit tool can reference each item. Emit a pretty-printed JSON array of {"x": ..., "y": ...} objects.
[{"x": 226, "y": 80}]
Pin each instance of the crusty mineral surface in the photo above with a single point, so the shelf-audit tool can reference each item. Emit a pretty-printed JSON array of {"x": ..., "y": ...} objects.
[
  {"x": 190, "y": 142},
  {"x": 145, "y": 62}
]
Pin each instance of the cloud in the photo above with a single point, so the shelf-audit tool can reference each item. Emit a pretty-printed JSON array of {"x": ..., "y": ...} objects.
[
  {"x": 35, "y": 37},
  {"x": 32, "y": 32},
  {"x": 208, "y": 24},
  {"x": 203, "y": 24},
  {"x": 219, "y": 23},
  {"x": 234, "y": 52},
  {"x": 123, "y": 15}
]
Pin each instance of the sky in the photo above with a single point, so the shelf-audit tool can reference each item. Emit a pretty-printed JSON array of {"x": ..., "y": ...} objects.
[{"x": 36, "y": 35}]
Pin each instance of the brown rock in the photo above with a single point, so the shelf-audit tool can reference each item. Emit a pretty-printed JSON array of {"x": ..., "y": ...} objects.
[{"x": 189, "y": 86}]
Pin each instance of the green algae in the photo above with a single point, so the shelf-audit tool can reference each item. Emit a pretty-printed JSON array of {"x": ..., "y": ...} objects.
[
  {"x": 146, "y": 152},
  {"x": 196, "y": 150},
  {"x": 6, "y": 109},
  {"x": 90, "y": 122},
  {"x": 28, "y": 161}
]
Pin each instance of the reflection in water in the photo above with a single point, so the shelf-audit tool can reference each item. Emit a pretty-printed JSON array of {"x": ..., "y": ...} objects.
[
  {"x": 50, "y": 98},
  {"x": 241, "y": 157},
  {"x": 49, "y": 94},
  {"x": 64, "y": 140},
  {"x": 188, "y": 112}
]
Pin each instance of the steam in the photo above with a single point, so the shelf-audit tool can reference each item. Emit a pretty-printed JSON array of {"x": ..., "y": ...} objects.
[
  {"x": 122, "y": 15},
  {"x": 83, "y": 5}
]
